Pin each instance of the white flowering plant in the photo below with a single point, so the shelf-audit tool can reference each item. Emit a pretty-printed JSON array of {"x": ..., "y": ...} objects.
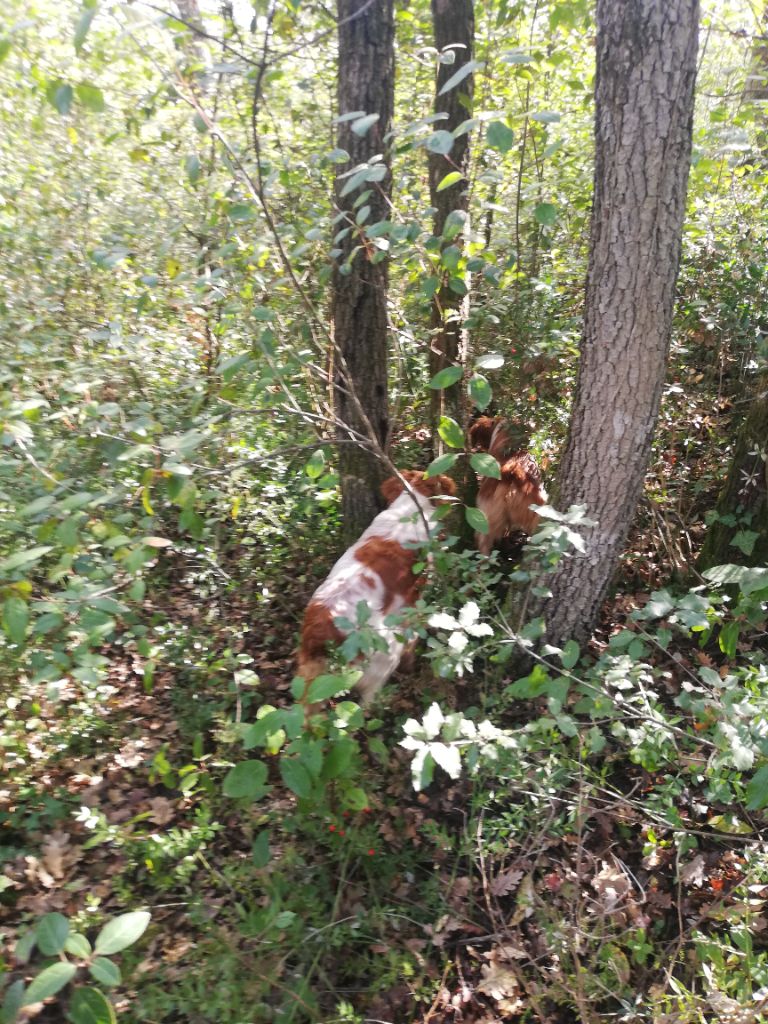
[
  {"x": 440, "y": 739},
  {"x": 453, "y": 648}
]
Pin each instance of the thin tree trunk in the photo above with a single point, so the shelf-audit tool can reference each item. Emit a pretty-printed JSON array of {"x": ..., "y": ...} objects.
[
  {"x": 454, "y": 26},
  {"x": 365, "y": 83},
  {"x": 646, "y": 68}
]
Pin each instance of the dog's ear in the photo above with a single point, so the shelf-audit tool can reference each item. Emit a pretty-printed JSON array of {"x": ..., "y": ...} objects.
[
  {"x": 433, "y": 486},
  {"x": 391, "y": 489}
]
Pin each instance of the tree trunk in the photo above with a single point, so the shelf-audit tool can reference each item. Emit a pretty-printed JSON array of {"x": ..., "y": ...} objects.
[
  {"x": 454, "y": 27},
  {"x": 744, "y": 499},
  {"x": 646, "y": 68},
  {"x": 365, "y": 83}
]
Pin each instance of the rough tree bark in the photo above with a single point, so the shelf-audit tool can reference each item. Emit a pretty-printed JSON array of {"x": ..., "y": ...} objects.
[
  {"x": 365, "y": 83},
  {"x": 454, "y": 26},
  {"x": 646, "y": 69}
]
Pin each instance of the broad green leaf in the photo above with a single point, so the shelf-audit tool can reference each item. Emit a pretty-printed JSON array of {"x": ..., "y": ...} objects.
[
  {"x": 570, "y": 654},
  {"x": 441, "y": 465},
  {"x": 500, "y": 137},
  {"x": 15, "y": 618},
  {"x": 246, "y": 780},
  {"x": 440, "y": 142},
  {"x": 490, "y": 361},
  {"x": 25, "y": 945},
  {"x": 325, "y": 687},
  {"x": 122, "y": 931},
  {"x": 446, "y": 377},
  {"x": 89, "y": 1006},
  {"x": 476, "y": 519},
  {"x": 363, "y": 125},
  {"x": 5, "y": 49},
  {"x": 49, "y": 982},
  {"x": 296, "y": 777},
  {"x": 13, "y": 1001},
  {"x": 450, "y": 431},
  {"x": 355, "y": 799},
  {"x": 545, "y": 213},
  {"x": 60, "y": 96},
  {"x": 757, "y": 790},
  {"x": 83, "y": 25},
  {"x": 461, "y": 74},
  {"x": 546, "y": 117},
  {"x": 105, "y": 971},
  {"x": 23, "y": 558},
  {"x": 78, "y": 945},
  {"x": 485, "y": 465},
  {"x": 51, "y": 933},
  {"x": 449, "y": 179},
  {"x": 260, "y": 853},
  {"x": 480, "y": 391},
  {"x": 193, "y": 167}
]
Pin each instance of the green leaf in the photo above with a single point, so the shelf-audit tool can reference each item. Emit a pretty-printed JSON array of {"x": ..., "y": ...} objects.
[
  {"x": 12, "y": 1002},
  {"x": 104, "y": 971},
  {"x": 83, "y": 25},
  {"x": 440, "y": 142},
  {"x": 744, "y": 540},
  {"x": 122, "y": 931},
  {"x": 485, "y": 465},
  {"x": 476, "y": 519},
  {"x": 363, "y": 125},
  {"x": 490, "y": 361},
  {"x": 446, "y": 377},
  {"x": 480, "y": 391},
  {"x": 25, "y": 945},
  {"x": 49, "y": 982},
  {"x": 77, "y": 945},
  {"x": 15, "y": 618},
  {"x": 59, "y": 95},
  {"x": 757, "y": 790},
  {"x": 260, "y": 853},
  {"x": 461, "y": 74},
  {"x": 450, "y": 432},
  {"x": 570, "y": 654},
  {"x": 355, "y": 799},
  {"x": 89, "y": 1006},
  {"x": 500, "y": 137},
  {"x": 325, "y": 687},
  {"x": 51, "y": 933},
  {"x": 246, "y": 780},
  {"x": 193, "y": 167},
  {"x": 23, "y": 558},
  {"x": 449, "y": 179},
  {"x": 5, "y": 49},
  {"x": 546, "y": 117},
  {"x": 441, "y": 464},
  {"x": 545, "y": 213},
  {"x": 296, "y": 777}
]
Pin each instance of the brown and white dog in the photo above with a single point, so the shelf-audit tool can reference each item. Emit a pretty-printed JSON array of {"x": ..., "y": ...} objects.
[
  {"x": 505, "y": 502},
  {"x": 378, "y": 570}
]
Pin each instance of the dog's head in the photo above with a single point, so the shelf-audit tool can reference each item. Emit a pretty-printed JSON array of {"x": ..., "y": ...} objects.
[
  {"x": 481, "y": 432},
  {"x": 430, "y": 487}
]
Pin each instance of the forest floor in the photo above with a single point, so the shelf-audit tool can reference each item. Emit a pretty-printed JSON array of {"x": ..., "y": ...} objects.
[{"x": 418, "y": 908}]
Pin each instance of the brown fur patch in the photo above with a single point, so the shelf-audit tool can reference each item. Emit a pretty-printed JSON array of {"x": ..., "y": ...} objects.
[
  {"x": 317, "y": 632},
  {"x": 505, "y": 502},
  {"x": 393, "y": 564},
  {"x": 481, "y": 432},
  {"x": 392, "y": 488}
]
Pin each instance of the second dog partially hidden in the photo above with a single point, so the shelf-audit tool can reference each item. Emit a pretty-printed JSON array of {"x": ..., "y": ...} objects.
[
  {"x": 378, "y": 571},
  {"x": 507, "y": 502}
]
